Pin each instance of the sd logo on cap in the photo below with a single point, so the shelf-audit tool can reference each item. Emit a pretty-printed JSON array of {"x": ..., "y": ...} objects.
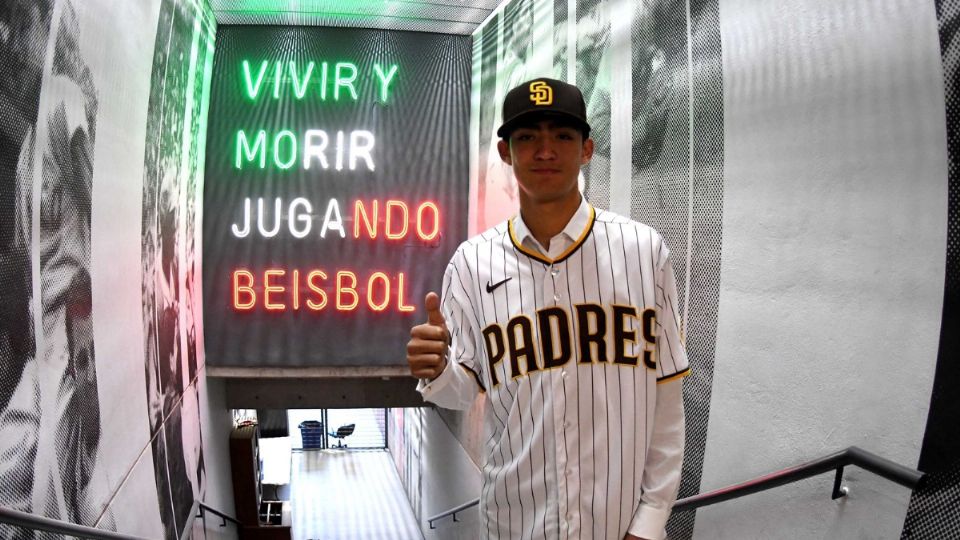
[{"x": 541, "y": 93}]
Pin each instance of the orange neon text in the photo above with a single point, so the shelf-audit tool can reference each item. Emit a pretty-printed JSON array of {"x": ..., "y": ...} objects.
[{"x": 278, "y": 289}]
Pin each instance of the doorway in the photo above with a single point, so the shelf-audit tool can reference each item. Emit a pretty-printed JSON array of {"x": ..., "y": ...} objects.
[{"x": 317, "y": 429}]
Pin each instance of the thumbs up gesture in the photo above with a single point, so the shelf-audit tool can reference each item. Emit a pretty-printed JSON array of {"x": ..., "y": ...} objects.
[{"x": 427, "y": 348}]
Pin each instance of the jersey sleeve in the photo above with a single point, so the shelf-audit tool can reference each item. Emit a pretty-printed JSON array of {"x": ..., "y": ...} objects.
[
  {"x": 460, "y": 382},
  {"x": 671, "y": 348}
]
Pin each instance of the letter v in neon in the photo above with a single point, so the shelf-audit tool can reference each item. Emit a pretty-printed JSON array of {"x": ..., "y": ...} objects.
[
  {"x": 253, "y": 89},
  {"x": 300, "y": 89}
]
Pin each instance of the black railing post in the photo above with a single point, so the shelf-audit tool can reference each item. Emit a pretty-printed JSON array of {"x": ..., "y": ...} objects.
[{"x": 837, "y": 480}]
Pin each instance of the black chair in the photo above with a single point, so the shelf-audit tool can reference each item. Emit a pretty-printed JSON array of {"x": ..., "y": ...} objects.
[{"x": 341, "y": 433}]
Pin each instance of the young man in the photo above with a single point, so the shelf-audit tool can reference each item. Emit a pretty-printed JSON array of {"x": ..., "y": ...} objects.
[{"x": 565, "y": 318}]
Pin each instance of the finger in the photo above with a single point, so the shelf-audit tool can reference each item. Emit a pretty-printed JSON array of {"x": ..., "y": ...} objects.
[
  {"x": 424, "y": 360},
  {"x": 426, "y": 366},
  {"x": 432, "y": 304},
  {"x": 429, "y": 332},
  {"x": 426, "y": 373},
  {"x": 423, "y": 346}
]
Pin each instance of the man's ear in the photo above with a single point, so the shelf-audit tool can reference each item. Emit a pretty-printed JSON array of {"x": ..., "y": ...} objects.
[
  {"x": 504, "y": 148},
  {"x": 586, "y": 153}
]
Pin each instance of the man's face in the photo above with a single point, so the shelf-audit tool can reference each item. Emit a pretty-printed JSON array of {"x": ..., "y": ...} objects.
[
  {"x": 30, "y": 30},
  {"x": 546, "y": 158}
]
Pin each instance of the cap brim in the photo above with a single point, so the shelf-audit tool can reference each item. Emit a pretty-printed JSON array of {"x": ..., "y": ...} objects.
[{"x": 504, "y": 130}]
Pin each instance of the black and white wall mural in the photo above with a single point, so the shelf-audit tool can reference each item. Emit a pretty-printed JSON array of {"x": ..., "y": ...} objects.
[
  {"x": 172, "y": 167},
  {"x": 92, "y": 431},
  {"x": 50, "y": 424},
  {"x": 24, "y": 31}
]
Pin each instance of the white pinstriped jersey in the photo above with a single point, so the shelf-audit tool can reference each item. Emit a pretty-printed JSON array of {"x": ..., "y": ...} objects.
[{"x": 580, "y": 440}]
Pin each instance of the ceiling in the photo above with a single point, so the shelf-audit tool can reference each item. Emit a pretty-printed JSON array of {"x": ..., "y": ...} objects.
[{"x": 439, "y": 16}]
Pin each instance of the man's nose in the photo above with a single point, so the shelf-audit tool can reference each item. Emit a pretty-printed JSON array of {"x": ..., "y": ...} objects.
[{"x": 545, "y": 149}]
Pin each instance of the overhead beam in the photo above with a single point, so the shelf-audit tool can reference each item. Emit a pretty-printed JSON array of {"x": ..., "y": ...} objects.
[{"x": 322, "y": 392}]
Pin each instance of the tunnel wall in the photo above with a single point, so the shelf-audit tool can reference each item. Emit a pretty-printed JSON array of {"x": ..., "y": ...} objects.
[{"x": 106, "y": 418}]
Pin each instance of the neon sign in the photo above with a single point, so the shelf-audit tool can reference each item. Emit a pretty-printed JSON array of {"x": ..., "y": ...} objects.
[
  {"x": 274, "y": 290},
  {"x": 253, "y": 148},
  {"x": 395, "y": 222},
  {"x": 296, "y": 78},
  {"x": 335, "y": 190},
  {"x": 390, "y": 220}
]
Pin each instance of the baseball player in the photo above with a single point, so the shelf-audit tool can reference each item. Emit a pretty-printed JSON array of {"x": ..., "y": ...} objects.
[{"x": 564, "y": 317}]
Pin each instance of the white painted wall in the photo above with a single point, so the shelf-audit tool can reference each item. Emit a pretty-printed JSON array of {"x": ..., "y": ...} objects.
[
  {"x": 450, "y": 478},
  {"x": 834, "y": 234}
]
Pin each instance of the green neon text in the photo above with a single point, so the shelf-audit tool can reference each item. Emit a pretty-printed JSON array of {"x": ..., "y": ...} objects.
[
  {"x": 309, "y": 80},
  {"x": 250, "y": 154},
  {"x": 385, "y": 79}
]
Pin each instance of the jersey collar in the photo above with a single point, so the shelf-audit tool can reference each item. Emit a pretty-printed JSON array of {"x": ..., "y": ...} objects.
[{"x": 578, "y": 228}]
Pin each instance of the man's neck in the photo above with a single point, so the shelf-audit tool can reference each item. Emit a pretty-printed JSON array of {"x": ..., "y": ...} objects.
[{"x": 548, "y": 219}]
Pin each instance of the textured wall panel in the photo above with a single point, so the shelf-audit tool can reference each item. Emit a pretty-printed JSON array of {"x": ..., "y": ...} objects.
[
  {"x": 934, "y": 511},
  {"x": 172, "y": 180},
  {"x": 445, "y": 16},
  {"x": 834, "y": 188},
  {"x": 593, "y": 74},
  {"x": 50, "y": 415},
  {"x": 702, "y": 286},
  {"x": 22, "y": 49}
]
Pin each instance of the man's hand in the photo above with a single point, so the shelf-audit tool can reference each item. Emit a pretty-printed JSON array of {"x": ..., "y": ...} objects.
[{"x": 427, "y": 348}]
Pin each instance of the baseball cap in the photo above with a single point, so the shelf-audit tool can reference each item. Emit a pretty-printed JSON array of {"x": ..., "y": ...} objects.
[{"x": 543, "y": 96}]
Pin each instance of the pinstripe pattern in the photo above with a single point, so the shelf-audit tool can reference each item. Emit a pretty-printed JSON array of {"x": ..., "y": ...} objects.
[
  {"x": 343, "y": 495},
  {"x": 565, "y": 441}
]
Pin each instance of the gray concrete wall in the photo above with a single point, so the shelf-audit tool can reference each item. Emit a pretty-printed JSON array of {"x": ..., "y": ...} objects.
[{"x": 835, "y": 185}]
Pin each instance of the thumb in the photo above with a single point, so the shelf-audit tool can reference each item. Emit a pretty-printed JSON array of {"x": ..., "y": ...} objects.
[{"x": 432, "y": 303}]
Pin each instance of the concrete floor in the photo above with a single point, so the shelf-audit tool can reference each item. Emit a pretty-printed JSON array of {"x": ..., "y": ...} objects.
[{"x": 349, "y": 495}]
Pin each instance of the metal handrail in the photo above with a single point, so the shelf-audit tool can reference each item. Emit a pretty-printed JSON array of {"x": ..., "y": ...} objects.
[
  {"x": 453, "y": 512},
  {"x": 853, "y": 455},
  {"x": 204, "y": 507},
  {"x": 33, "y": 521},
  {"x": 43, "y": 523},
  {"x": 197, "y": 510}
]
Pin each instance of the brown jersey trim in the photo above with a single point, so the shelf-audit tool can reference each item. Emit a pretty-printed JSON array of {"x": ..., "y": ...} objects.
[
  {"x": 677, "y": 375},
  {"x": 476, "y": 377},
  {"x": 563, "y": 256}
]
